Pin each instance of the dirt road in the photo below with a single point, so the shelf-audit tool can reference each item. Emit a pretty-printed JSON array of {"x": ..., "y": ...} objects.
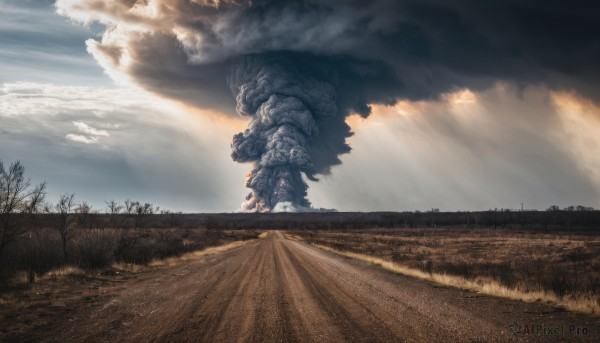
[{"x": 281, "y": 290}]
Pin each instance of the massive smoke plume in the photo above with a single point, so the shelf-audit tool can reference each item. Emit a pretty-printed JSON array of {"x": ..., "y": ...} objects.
[
  {"x": 285, "y": 106},
  {"x": 289, "y": 102},
  {"x": 298, "y": 68}
]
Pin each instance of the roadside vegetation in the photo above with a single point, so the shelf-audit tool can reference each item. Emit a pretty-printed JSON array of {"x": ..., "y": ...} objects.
[
  {"x": 551, "y": 255},
  {"x": 38, "y": 237},
  {"x": 562, "y": 267}
]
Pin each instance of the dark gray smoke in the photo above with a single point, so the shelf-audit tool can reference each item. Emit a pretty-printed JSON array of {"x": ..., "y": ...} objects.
[
  {"x": 290, "y": 98},
  {"x": 285, "y": 106},
  {"x": 297, "y": 68}
]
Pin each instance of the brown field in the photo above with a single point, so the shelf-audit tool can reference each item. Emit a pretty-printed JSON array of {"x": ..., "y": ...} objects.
[
  {"x": 272, "y": 289},
  {"x": 223, "y": 278},
  {"x": 558, "y": 266}
]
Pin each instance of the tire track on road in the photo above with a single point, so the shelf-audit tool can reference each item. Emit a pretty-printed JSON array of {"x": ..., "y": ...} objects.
[{"x": 281, "y": 290}]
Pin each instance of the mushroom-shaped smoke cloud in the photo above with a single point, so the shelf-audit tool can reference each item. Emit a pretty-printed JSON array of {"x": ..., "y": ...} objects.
[
  {"x": 297, "y": 68},
  {"x": 289, "y": 98},
  {"x": 285, "y": 103}
]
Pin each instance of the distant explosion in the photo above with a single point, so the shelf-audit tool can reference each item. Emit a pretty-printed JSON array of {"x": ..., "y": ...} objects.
[
  {"x": 298, "y": 68},
  {"x": 297, "y": 104},
  {"x": 285, "y": 106}
]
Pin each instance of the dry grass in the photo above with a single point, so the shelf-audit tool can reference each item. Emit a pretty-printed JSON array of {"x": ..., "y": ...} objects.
[
  {"x": 63, "y": 272},
  {"x": 196, "y": 254},
  {"x": 122, "y": 267},
  {"x": 481, "y": 285},
  {"x": 561, "y": 268},
  {"x": 39, "y": 255}
]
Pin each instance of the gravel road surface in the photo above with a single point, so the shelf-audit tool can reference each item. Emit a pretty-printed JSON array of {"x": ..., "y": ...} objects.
[{"x": 282, "y": 290}]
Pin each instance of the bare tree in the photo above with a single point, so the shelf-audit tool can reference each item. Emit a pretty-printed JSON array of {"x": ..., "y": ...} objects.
[
  {"x": 16, "y": 195},
  {"x": 36, "y": 200},
  {"x": 64, "y": 220},
  {"x": 129, "y": 206},
  {"x": 113, "y": 209},
  {"x": 84, "y": 213},
  {"x": 35, "y": 205},
  {"x": 147, "y": 208},
  {"x": 142, "y": 211}
]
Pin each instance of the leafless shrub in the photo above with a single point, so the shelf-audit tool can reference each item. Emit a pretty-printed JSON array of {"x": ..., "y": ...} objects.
[
  {"x": 113, "y": 211},
  {"x": 94, "y": 249},
  {"x": 84, "y": 213},
  {"x": 64, "y": 220},
  {"x": 40, "y": 251},
  {"x": 17, "y": 196},
  {"x": 143, "y": 245}
]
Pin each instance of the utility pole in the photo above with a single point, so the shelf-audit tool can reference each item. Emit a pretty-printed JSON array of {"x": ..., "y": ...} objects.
[{"x": 521, "y": 207}]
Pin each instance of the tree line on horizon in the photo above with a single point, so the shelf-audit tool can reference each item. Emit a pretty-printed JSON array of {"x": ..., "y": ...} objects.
[
  {"x": 38, "y": 235},
  {"x": 73, "y": 232}
]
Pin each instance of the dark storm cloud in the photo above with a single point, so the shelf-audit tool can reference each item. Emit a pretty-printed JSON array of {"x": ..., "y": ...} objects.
[
  {"x": 430, "y": 46},
  {"x": 369, "y": 53}
]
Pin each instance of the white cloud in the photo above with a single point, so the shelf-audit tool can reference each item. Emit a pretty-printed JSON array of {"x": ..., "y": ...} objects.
[
  {"x": 81, "y": 138},
  {"x": 43, "y": 99},
  {"x": 85, "y": 128},
  {"x": 89, "y": 134},
  {"x": 131, "y": 145}
]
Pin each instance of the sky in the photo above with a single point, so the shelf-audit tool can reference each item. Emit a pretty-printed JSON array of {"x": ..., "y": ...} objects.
[{"x": 444, "y": 107}]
